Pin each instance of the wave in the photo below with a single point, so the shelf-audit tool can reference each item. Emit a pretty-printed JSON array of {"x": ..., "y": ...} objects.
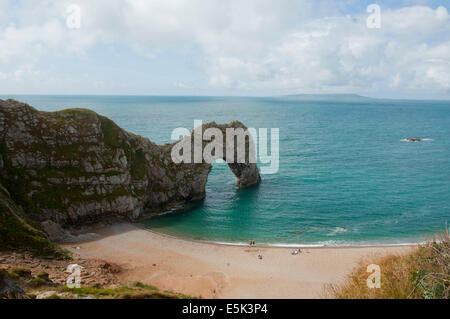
[
  {"x": 319, "y": 244},
  {"x": 337, "y": 230},
  {"x": 329, "y": 243}
]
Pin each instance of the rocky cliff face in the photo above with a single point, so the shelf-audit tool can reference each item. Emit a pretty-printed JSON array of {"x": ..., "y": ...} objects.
[{"x": 74, "y": 167}]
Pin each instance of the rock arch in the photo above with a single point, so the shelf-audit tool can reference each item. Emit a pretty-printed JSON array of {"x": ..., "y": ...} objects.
[
  {"x": 242, "y": 165},
  {"x": 75, "y": 167}
]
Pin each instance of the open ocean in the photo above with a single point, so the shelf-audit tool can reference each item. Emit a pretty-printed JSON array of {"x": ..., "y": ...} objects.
[{"x": 346, "y": 176}]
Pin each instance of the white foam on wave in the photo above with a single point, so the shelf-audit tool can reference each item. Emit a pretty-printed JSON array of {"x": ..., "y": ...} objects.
[
  {"x": 337, "y": 230},
  {"x": 329, "y": 243}
]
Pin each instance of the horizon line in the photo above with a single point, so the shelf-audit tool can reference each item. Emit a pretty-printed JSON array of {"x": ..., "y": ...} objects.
[{"x": 235, "y": 96}]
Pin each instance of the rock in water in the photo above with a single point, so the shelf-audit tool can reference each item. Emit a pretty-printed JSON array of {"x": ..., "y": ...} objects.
[
  {"x": 414, "y": 139},
  {"x": 75, "y": 167}
]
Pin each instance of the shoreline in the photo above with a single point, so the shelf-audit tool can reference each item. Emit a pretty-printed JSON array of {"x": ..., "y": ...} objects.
[
  {"x": 216, "y": 270},
  {"x": 281, "y": 245}
]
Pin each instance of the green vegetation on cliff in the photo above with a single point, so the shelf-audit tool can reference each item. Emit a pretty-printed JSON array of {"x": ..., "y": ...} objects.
[
  {"x": 111, "y": 132},
  {"x": 17, "y": 233},
  {"x": 134, "y": 291}
]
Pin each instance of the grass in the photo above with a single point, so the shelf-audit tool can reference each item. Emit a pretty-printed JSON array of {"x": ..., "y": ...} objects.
[
  {"x": 17, "y": 272},
  {"x": 95, "y": 291},
  {"x": 24, "y": 278},
  {"x": 143, "y": 286},
  {"x": 136, "y": 290},
  {"x": 38, "y": 282},
  {"x": 421, "y": 274}
]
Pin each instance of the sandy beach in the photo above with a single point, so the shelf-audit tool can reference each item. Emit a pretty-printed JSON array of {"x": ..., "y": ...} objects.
[{"x": 211, "y": 270}]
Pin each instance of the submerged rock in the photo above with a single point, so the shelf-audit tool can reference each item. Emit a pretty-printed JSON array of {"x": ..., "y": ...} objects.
[{"x": 74, "y": 167}]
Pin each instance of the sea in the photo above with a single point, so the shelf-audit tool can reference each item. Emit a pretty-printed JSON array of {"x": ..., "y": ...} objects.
[{"x": 347, "y": 174}]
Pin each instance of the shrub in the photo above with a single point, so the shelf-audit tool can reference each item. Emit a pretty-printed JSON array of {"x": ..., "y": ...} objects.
[{"x": 421, "y": 274}]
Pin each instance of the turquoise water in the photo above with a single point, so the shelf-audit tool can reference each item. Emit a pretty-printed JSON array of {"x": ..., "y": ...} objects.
[{"x": 346, "y": 176}]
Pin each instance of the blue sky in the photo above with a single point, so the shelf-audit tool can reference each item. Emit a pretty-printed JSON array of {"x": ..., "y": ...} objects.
[{"x": 212, "y": 47}]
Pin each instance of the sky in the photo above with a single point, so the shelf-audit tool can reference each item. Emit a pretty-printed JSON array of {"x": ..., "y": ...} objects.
[{"x": 225, "y": 48}]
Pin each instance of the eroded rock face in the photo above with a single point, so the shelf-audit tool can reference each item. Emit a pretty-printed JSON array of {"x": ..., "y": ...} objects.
[{"x": 75, "y": 166}]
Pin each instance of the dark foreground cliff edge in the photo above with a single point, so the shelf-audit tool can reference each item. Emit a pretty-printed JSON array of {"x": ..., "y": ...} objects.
[{"x": 75, "y": 167}]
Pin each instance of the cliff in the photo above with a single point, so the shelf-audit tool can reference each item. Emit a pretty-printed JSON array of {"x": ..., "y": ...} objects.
[{"x": 74, "y": 167}]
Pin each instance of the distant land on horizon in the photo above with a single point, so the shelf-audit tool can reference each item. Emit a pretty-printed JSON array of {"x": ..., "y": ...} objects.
[
  {"x": 329, "y": 96},
  {"x": 354, "y": 97},
  {"x": 300, "y": 96}
]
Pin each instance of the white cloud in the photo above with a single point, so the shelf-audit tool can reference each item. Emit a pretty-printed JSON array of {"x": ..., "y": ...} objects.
[
  {"x": 30, "y": 41},
  {"x": 409, "y": 52},
  {"x": 266, "y": 46}
]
